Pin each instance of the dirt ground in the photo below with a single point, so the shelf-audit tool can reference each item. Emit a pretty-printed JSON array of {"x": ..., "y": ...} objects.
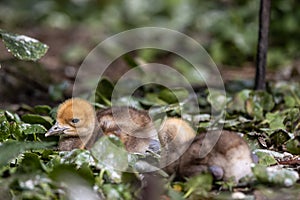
[{"x": 29, "y": 83}]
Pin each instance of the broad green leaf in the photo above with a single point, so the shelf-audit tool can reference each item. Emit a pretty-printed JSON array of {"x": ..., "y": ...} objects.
[
  {"x": 42, "y": 109},
  {"x": 238, "y": 102},
  {"x": 2, "y": 116},
  {"x": 199, "y": 185},
  {"x": 111, "y": 155},
  {"x": 34, "y": 128},
  {"x": 173, "y": 96},
  {"x": 217, "y": 99},
  {"x": 23, "y": 47},
  {"x": 152, "y": 99},
  {"x": 104, "y": 92},
  {"x": 290, "y": 101},
  {"x": 4, "y": 130},
  {"x": 293, "y": 146},
  {"x": 265, "y": 159},
  {"x": 77, "y": 183},
  {"x": 30, "y": 163},
  {"x": 275, "y": 120},
  {"x": 279, "y": 137},
  {"x": 38, "y": 119},
  {"x": 254, "y": 109},
  {"x": 118, "y": 191},
  {"x": 78, "y": 157},
  {"x": 11, "y": 149}
]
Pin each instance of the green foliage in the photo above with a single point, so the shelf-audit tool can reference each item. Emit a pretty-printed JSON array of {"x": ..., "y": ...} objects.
[
  {"x": 31, "y": 169},
  {"x": 11, "y": 149}
]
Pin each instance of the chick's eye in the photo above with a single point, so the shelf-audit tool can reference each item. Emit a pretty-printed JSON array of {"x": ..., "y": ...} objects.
[{"x": 75, "y": 120}]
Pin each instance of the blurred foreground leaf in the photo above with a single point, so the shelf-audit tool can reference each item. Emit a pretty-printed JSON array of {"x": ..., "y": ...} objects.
[
  {"x": 275, "y": 176},
  {"x": 11, "y": 149}
]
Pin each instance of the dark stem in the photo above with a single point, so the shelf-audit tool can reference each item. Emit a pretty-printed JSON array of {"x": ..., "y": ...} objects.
[{"x": 262, "y": 47}]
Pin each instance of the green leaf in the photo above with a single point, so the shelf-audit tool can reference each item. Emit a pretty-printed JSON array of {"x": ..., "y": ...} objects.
[
  {"x": 111, "y": 155},
  {"x": 78, "y": 157},
  {"x": 2, "y": 116},
  {"x": 104, "y": 92},
  {"x": 42, "y": 109},
  {"x": 11, "y": 149},
  {"x": 293, "y": 146},
  {"x": 23, "y": 47},
  {"x": 275, "y": 176},
  {"x": 38, "y": 119},
  {"x": 199, "y": 185},
  {"x": 153, "y": 99},
  {"x": 265, "y": 159},
  {"x": 239, "y": 101},
  {"x": 279, "y": 137},
  {"x": 4, "y": 130},
  {"x": 173, "y": 96},
  {"x": 290, "y": 101},
  {"x": 258, "y": 103},
  {"x": 275, "y": 120},
  {"x": 34, "y": 128},
  {"x": 30, "y": 163},
  {"x": 77, "y": 183},
  {"x": 217, "y": 99}
]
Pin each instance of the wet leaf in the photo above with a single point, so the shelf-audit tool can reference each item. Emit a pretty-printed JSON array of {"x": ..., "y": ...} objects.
[
  {"x": 111, "y": 155},
  {"x": 275, "y": 176},
  {"x": 23, "y": 47},
  {"x": 4, "y": 130},
  {"x": 34, "y": 128},
  {"x": 78, "y": 157}
]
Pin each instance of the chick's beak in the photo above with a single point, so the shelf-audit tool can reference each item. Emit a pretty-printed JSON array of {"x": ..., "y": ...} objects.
[{"x": 55, "y": 130}]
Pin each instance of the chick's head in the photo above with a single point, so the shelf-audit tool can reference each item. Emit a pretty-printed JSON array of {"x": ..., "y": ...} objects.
[{"x": 75, "y": 117}]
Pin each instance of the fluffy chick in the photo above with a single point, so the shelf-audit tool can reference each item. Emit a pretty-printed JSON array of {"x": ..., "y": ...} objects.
[
  {"x": 229, "y": 157},
  {"x": 76, "y": 123},
  {"x": 134, "y": 128},
  {"x": 79, "y": 126},
  {"x": 175, "y": 136}
]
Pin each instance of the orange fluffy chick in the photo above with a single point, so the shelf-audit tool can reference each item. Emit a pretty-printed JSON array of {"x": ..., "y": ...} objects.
[{"x": 79, "y": 126}]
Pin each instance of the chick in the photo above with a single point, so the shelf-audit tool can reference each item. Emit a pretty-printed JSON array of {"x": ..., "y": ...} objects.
[
  {"x": 79, "y": 126},
  {"x": 175, "y": 137},
  {"x": 229, "y": 157},
  {"x": 134, "y": 128},
  {"x": 76, "y": 123}
]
